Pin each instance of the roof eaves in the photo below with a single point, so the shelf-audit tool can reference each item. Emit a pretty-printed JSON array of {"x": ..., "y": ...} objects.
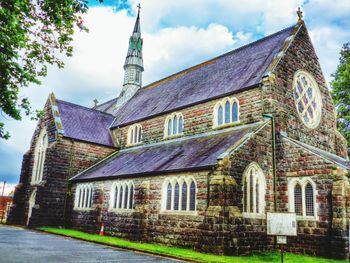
[
  {"x": 198, "y": 168},
  {"x": 316, "y": 151}
]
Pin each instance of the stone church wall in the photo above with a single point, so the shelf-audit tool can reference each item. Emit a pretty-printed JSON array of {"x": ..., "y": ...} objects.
[
  {"x": 199, "y": 118},
  {"x": 64, "y": 158},
  {"x": 279, "y": 98}
]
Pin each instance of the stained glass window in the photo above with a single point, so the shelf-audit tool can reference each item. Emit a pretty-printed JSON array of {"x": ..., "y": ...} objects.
[
  {"x": 298, "y": 205},
  {"x": 115, "y": 197},
  {"x": 180, "y": 124},
  {"x": 227, "y": 112},
  {"x": 126, "y": 197},
  {"x": 176, "y": 197},
  {"x": 120, "y": 197},
  {"x": 184, "y": 197},
  {"x": 245, "y": 196},
  {"x": 251, "y": 189},
  {"x": 309, "y": 200},
  {"x": 220, "y": 115},
  {"x": 234, "y": 112},
  {"x": 257, "y": 196},
  {"x": 131, "y": 197},
  {"x": 307, "y": 99},
  {"x": 193, "y": 196},
  {"x": 168, "y": 199},
  {"x": 175, "y": 125},
  {"x": 170, "y": 125}
]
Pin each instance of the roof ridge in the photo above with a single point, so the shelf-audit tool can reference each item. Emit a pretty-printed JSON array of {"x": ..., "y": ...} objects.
[
  {"x": 81, "y": 106},
  {"x": 213, "y": 60}
]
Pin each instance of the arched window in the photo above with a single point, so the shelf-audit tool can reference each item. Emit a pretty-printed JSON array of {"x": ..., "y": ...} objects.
[
  {"x": 226, "y": 112},
  {"x": 176, "y": 197},
  {"x": 39, "y": 157},
  {"x": 84, "y": 196},
  {"x": 122, "y": 195},
  {"x": 179, "y": 194},
  {"x": 173, "y": 125},
  {"x": 134, "y": 134},
  {"x": 220, "y": 116},
  {"x": 253, "y": 190},
  {"x": 184, "y": 196},
  {"x": 168, "y": 199},
  {"x": 302, "y": 197},
  {"x": 235, "y": 111},
  {"x": 298, "y": 204},
  {"x": 309, "y": 200}
]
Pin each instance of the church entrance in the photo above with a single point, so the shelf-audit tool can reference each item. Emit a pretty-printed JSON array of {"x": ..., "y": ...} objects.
[{"x": 31, "y": 205}]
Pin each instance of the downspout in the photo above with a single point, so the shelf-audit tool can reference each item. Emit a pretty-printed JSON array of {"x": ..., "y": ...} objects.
[{"x": 273, "y": 137}]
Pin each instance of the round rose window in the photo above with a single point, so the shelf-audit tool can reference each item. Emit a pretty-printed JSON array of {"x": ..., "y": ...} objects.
[{"x": 307, "y": 98}]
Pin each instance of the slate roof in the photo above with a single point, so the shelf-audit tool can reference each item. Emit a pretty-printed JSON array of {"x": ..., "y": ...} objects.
[
  {"x": 107, "y": 106},
  {"x": 324, "y": 154},
  {"x": 230, "y": 73},
  {"x": 85, "y": 124},
  {"x": 188, "y": 153}
]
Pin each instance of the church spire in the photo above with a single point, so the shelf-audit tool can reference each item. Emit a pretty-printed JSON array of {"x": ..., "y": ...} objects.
[{"x": 133, "y": 65}]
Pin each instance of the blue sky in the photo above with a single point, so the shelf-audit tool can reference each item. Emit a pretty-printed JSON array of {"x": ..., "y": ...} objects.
[{"x": 177, "y": 34}]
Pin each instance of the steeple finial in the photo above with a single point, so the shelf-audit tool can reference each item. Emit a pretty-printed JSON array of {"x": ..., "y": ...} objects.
[
  {"x": 137, "y": 28},
  {"x": 300, "y": 14}
]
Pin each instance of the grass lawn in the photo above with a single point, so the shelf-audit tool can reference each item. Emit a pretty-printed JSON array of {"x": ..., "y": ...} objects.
[{"x": 186, "y": 254}]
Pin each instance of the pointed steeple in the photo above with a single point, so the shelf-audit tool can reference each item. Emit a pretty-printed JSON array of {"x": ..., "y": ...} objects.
[
  {"x": 133, "y": 65},
  {"x": 137, "y": 28}
]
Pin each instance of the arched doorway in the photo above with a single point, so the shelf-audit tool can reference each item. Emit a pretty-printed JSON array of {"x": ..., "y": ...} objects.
[{"x": 31, "y": 205}]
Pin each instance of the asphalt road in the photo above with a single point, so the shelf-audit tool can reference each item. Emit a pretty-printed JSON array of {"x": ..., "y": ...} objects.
[{"x": 18, "y": 245}]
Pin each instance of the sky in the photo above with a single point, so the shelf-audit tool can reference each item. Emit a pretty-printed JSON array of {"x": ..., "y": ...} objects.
[{"x": 177, "y": 34}]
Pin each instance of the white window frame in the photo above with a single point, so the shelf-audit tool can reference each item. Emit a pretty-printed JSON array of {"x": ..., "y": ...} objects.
[
  {"x": 113, "y": 200},
  {"x": 258, "y": 174},
  {"x": 180, "y": 180},
  {"x": 292, "y": 182},
  {"x": 133, "y": 137},
  {"x": 315, "y": 97},
  {"x": 171, "y": 118},
  {"x": 84, "y": 194},
  {"x": 222, "y": 103},
  {"x": 39, "y": 157}
]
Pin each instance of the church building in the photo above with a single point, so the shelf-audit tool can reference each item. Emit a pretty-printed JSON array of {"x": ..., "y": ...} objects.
[{"x": 197, "y": 159}]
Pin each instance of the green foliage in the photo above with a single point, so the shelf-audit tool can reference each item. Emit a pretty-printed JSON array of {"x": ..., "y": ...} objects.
[
  {"x": 341, "y": 91},
  {"x": 184, "y": 253},
  {"x": 32, "y": 34}
]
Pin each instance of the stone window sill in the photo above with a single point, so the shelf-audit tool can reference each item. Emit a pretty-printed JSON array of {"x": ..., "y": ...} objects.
[
  {"x": 227, "y": 125},
  {"x": 121, "y": 211},
  {"x": 83, "y": 209},
  {"x": 133, "y": 144},
  {"x": 170, "y": 137},
  {"x": 173, "y": 212},
  {"x": 253, "y": 215}
]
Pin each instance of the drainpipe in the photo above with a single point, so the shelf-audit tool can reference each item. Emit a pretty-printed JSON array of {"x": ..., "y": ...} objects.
[{"x": 273, "y": 136}]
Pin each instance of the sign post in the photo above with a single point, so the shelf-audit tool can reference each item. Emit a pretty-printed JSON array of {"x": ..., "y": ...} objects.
[{"x": 281, "y": 225}]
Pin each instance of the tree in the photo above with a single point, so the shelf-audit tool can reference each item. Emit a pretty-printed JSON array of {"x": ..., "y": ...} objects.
[
  {"x": 32, "y": 34},
  {"x": 341, "y": 92}
]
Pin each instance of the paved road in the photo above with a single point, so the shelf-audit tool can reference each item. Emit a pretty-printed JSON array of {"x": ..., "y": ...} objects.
[{"x": 19, "y": 245}]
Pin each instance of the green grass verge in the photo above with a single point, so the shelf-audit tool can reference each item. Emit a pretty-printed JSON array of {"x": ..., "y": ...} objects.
[{"x": 187, "y": 254}]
